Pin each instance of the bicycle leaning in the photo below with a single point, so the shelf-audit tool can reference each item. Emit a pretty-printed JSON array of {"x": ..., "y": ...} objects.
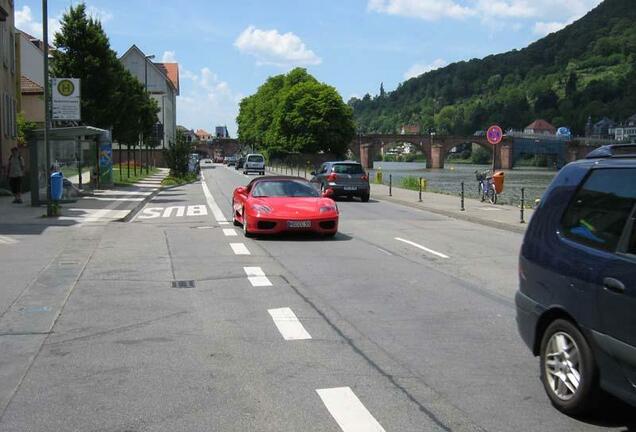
[{"x": 487, "y": 189}]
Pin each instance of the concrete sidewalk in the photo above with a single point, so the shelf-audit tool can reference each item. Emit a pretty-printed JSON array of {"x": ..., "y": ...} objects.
[
  {"x": 102, "y": 206},
  {"x": 498, "y": 216}
]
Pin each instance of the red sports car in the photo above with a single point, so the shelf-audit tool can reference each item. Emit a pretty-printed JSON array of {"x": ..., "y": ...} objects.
[{"x": 276, "y": 204}]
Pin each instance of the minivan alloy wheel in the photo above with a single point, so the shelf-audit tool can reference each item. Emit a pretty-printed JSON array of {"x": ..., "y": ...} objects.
[{"x": 562, "y": 365}]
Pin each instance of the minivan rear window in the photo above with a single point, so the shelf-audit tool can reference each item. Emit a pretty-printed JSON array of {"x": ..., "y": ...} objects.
[
  {"x": 348, "y": 169},
  {"x": 255, "y": 158},
  {"x": 599, "y": 211}
]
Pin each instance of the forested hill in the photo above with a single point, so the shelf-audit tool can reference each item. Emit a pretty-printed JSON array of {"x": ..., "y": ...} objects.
[{"x": 585, "y": 69}]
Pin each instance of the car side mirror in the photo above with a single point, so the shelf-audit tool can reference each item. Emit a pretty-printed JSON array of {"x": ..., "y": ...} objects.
[
  {"x": 313, "y": 173},
  {"x": 240, "y": 190}
]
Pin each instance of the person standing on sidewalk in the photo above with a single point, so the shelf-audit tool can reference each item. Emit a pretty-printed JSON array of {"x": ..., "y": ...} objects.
[{"x": 15, "y": 174}]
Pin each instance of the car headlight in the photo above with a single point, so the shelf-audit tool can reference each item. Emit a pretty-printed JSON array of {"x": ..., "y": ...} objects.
[
  {"x": 260, "y": 208},
  {"x": 327, "y": 209}
]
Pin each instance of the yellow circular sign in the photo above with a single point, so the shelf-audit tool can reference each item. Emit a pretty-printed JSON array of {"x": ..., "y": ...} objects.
[{"x": 65, "y": 87}]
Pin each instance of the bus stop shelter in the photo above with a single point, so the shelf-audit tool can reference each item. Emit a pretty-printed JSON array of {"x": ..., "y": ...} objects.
[{"x": 82, "y": 153}]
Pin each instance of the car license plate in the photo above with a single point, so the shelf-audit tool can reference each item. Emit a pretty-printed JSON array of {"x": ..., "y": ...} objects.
[
  {"x": 350, "y": 188},
  {"x": 298, "y": 224}
]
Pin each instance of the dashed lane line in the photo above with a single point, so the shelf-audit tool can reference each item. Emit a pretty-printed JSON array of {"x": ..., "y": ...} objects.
[
  {"x": 216, "y": 210},
  {"x": 257, "y": 277},
  {"x": 229, "y": 232},
  {"x": 288, "y": 324},
  {"x": 347, "y": 410},
  {"x": 239, "y": 249},
  {"x": 424, "y": 248}
]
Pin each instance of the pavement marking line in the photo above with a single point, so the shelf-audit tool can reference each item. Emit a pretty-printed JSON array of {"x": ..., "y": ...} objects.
[
  {"x": 106, "y": 198},
  {"x": 347, "y": 410},
  {"x": 216, "y": 210},
  {"x": 384, "y": 251},
  {"x": 288, "y": 324},
  {"x": 7, "y": 240},
  {"x": 257, "y": 277},
  {"x": 229, "y": 232},
  {"x": 239, "y": 249},
  {"x": 424, "y": 248}
]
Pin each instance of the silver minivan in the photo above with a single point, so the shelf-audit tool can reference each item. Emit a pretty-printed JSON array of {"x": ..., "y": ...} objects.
[{"x": 254, "y": 162}]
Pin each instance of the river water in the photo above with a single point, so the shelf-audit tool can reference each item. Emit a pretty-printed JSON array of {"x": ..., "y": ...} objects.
[{"x": 448, "y": 180}]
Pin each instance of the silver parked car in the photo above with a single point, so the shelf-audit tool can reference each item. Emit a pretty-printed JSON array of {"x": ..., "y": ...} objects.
[
  {"x": 345, "y": 178},
  {"x": 254, "y": 163}
]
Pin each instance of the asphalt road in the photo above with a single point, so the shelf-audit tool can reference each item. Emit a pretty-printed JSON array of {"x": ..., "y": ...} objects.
[{"x": 176, "y": 322}]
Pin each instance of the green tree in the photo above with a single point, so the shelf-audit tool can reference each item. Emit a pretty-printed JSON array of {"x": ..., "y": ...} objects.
[
  {"x": 295, "y": 113},
  {"x": 177, "y": 156},
  {"x": 111, "y": 96}
]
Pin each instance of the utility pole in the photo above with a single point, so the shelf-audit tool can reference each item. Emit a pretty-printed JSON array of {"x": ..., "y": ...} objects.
[
  {"x": 148, "y": 57},
  {"x": 47, "y": 112}
]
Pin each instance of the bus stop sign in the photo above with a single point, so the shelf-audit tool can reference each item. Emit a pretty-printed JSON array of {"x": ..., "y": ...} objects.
[{"x": 494, "y": 135}]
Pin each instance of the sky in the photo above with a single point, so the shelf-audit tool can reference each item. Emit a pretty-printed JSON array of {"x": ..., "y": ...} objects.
[{"x": 226, "y": 49}]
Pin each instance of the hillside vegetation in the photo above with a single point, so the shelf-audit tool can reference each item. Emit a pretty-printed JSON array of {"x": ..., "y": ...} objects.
[{"x": 585, "y": 69}]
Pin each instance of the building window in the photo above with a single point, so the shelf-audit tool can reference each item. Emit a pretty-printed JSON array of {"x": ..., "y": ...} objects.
[
  {"x": 12, "y": 51},
  {"x": 14, "y": 119}
]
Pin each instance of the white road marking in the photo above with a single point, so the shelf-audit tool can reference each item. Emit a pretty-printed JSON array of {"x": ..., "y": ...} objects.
[
  {"x": 229, "y": 232},
  {"x": 216, "y": 210},
  {"x": 7, "y": 240},
  {"x": 424, "y": 248},
  {"x": 288, "y": 324},
  {"x": 257, "y": 277},
  {"x": 347, "y": 410},
  {"x": 167, "y": 212},
  {"x": 239, "y": 249}
]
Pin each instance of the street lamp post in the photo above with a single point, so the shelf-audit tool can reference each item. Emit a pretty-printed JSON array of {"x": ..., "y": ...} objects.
[
  {"x": 148, "y": 57},
  {"x": 47, "y": 113}
]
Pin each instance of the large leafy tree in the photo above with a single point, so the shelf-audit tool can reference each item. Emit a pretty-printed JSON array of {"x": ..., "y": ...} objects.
[
  {"x": 294, "y": 113},
  {"x": 111, "y": 96}
]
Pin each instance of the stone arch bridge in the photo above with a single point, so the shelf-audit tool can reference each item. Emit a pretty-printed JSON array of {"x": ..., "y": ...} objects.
[{"x": 436, "y": 147}]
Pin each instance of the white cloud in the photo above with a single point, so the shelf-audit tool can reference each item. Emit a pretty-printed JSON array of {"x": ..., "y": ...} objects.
[
  {"x": 24, "y": 21},
  {"x": 169, "y": 57},
  {"x": 99, "y": 14},
  {"x": 490, "y": 12},
  {"x": 419, "y": 68},
  {"x": 206, "y": 101},
  {"x": 271, "y": 47},
  {"x": 423, "y": 9}
]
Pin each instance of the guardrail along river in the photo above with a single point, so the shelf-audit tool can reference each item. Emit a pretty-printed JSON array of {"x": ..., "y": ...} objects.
[{"x": 448, "y": 180}]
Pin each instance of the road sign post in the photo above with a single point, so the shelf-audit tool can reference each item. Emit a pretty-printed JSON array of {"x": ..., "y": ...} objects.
[{"x": 494, "y": 135}]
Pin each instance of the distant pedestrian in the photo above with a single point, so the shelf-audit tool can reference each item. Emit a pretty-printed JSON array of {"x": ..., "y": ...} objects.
[{"x": 15, "y": 174}]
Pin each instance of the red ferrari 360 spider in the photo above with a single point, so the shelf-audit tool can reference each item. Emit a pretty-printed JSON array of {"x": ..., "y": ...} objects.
[{"x": 271, "y": 205}]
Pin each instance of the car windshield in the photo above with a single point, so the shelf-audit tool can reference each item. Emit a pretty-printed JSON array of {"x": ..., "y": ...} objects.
[
  {"x": 348, "y": 169},
  {"x": 284, "y": 188},
  {"x": 255, "y": 158}
]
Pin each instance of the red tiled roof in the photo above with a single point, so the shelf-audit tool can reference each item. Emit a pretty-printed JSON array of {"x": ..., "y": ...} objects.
[
  {"x": 202, "y": 133},
  {"x": 29, "y": 87},
  {"x": 541, "y": 124},
  {"x": 171, "y": 70}
]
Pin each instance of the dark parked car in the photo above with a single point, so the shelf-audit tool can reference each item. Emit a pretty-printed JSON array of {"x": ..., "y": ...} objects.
[
  {"x": 576, "y": 304},
  {"x": 240, "y": 163},
  {"x": 344, "y": 178}
]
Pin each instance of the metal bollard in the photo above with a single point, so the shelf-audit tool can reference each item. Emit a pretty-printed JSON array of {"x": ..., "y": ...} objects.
[
  {"x": 420, "y": 189},
  {"x": 463, "y": 208},
  {"x": 523, "y": 204},
  {"x": 390, "y": 185}
]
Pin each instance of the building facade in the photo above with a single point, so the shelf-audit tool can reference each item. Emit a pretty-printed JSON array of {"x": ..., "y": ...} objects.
[
  {"x": 626, "y": 131},
  {"x": 9, "y": 70},
  {"x": 162, "y": 82},
  {"x": 222, "y": 132},
  {"x": 31, "y": 50}
]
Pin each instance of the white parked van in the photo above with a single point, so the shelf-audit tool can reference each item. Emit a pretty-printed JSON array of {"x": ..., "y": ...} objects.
[{"x": 254, "y": 163}]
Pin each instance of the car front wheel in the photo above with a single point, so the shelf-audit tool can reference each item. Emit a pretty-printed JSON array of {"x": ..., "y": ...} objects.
[
  {"x": 568, "y": 369},
  {"x": 245, "y": 230}
]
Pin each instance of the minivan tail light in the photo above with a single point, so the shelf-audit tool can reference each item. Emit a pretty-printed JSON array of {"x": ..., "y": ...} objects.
[{"x": 332, "y": 177}]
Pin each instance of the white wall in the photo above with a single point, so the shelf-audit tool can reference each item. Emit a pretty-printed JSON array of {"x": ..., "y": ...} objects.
[
  {"x": 158, "y": 86},
  {"x": 31, "y": 61}
]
